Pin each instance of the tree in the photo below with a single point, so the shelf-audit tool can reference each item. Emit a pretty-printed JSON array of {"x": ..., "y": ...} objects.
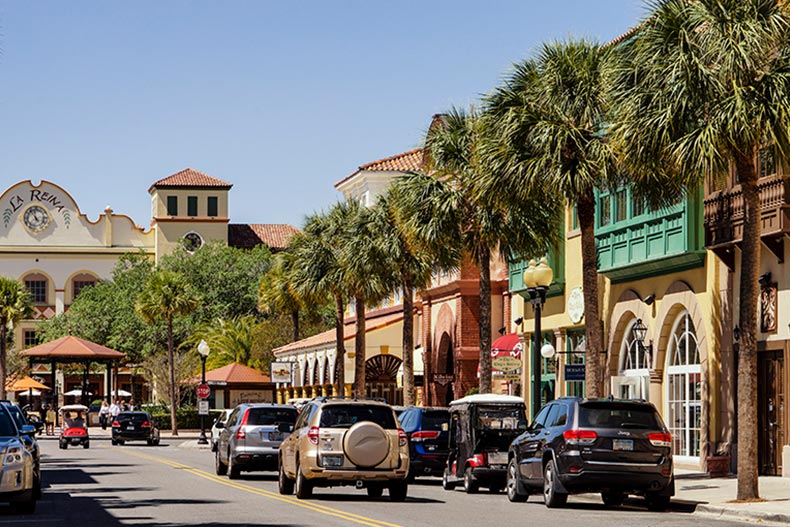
[
  {"x": 699, "y": 90},
  {"x": 463, "y": 150},
  {"x": 15, "y": 305},
  {"x": 552, "y": 114},
  {"x": 167, "y": 295}
]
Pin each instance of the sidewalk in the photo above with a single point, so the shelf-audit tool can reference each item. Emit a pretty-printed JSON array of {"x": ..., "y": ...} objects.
[{"x": 716, "y": 497}]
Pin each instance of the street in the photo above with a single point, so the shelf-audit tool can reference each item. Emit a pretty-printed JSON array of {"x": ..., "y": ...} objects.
[{"x": 167, "y": 485}]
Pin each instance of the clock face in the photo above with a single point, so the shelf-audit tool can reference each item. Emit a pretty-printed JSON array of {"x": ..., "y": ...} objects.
[
  {"x": 36, "y": 218},
  {"x": 192, "y": 241}
]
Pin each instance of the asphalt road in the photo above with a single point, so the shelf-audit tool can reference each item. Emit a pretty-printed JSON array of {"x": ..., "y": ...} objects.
[{"x": 168, "y": 486}]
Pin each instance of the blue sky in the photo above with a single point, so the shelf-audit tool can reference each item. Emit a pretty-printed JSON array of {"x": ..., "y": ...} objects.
[{"x": 280, "y": 98}]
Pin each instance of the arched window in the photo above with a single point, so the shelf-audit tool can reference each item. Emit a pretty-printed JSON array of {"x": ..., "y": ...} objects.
[
  {"x": 37, "y": 284},
  {"x": 80, "y": 282},
  {"x": 684, "y": 388},
  {"x": 633, "y": 381}
]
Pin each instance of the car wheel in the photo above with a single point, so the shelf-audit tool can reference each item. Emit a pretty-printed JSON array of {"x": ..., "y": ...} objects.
[
  {"x": 657, "y": 503},
  {"x": 612, "y": 499},
  {"x": 113, "y": 442},
  {"x": 64, "y": 446},
  {"x": 234, "y": 472},
  {"x": 471, "y": 486},
  {"x": 27, "y": 505},
  {"x": 304, "y": 488},
  {"x": 375, "y": 491},
  {"x": 156, "y": 442},
  {"x": 121, "y": 442},
  {"x": 551, "y": 497},
  {"x": 219, "y": 467},
  {"x": 86, "y": 445},
  {"x": 514, "y": 487},
  {"x": 398, "y": 490},
  {"x": 446, "y": 483},
  {"x": 150, "y": 442},
  {"x": 284, "y": 483}
]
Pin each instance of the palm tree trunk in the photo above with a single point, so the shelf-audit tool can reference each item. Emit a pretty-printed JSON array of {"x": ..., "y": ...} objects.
[
  {"x": 340, "y": 360},
  {"x": 748, "y": 486},
  {"x": 295, "y": 321},
  {"x": 172, "y": 367},
  {"x": 485, "y": 321},
  {"x": 592, "y": 324},
  {"x": 359, "y": 348},
  {"x": 408, "y": 339},
  {"x": 3, "y": 372}
]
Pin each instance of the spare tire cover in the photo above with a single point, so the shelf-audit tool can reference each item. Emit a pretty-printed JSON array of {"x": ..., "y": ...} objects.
[{"x": 366, "y": 444}]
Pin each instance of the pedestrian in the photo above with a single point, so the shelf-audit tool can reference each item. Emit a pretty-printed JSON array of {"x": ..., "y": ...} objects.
[
  {"x": 104, "y": 414},
  {"x": 50, "y": 421},
  {"x": 115, "y": 409},
  {"x": 132, "y": 406}
]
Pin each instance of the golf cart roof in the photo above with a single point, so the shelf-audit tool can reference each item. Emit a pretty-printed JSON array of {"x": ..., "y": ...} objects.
[
  {"x": 73, "y": 408},
  {"x": 488, "y": 398}
]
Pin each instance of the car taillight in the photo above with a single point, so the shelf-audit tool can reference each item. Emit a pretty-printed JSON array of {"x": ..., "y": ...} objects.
[
  {"x": 312, "y": 435},
  {"x": 116, "y": 423},
  {"x": 580, "y": 437},
  {"x": 403, "y": 439},
  {"x": 146, "y": 424},
  {"x": 479, "y": 460},
  {"x": 422, "y": 436},
  {"x": 240, "y": 433},
  {"x": 660, "y": 439}
]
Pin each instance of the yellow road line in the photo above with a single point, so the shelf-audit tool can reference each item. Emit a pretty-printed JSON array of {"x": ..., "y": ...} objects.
[{"x": 315, "y": 507}]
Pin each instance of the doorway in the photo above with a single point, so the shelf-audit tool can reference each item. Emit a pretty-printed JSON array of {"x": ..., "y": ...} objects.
[{"x": 771, "y": 412}]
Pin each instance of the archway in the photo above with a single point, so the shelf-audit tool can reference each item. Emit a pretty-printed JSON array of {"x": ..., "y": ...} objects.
[{"x": 381, "y": 378}]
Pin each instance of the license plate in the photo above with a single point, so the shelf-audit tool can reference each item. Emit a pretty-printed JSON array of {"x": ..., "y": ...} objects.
[
  {"x": 431, "y": 448},
  {"x": 276, "y": 436},
  {"x": 623, "y": 444},
  {"x": 497, "y": 458},
  {"x": 130, "y": 427},
  {"x": 333, "y": 461}
]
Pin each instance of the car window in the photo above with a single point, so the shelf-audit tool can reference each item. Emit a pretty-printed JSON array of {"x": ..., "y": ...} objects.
[
  {"x": 16, "y": 413},
  {"x": 233, "y": 416},
  {"x": 345, "y": 416},
  {"x": 435, "y": 420},
  {"x": 407, "y": 421},
  {"x": 7, "y": 426},
  {"x": 501, "y": 418},
  {"x": 132, "y": 417},
  {"x": 618, "y": 415},
  {"x": 271, "y": 416},
  {"x": 540, "y": 420},
  {"x": 560, "y": 416},
  {"x": 554, "y": 411}
]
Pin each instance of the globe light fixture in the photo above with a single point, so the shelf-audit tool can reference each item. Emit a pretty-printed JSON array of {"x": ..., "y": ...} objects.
[
  {"x": 203, "y": 349},
  {"x": 537, "y": 279}
]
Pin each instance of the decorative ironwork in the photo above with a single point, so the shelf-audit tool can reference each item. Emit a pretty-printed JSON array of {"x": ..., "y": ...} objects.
[
  {"x": 382, "y": 368},
  {"x": 768, "y": 307}
]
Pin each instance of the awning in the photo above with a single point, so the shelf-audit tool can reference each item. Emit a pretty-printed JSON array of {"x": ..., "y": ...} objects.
[
  {"x": 25, "y": 383},
  {"x": 505, "y": 346}
]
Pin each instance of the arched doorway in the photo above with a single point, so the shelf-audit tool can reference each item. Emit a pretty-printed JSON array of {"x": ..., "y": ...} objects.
[
  {"x": 444, "y": 372},
  {"x": 381, "y": 375},
  {"x": 684, "y": 388},
  {"x": 633, "y": 381}
]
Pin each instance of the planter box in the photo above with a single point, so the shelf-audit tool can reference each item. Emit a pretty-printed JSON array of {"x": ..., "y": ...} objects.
[{"x": 718, "y": 466}]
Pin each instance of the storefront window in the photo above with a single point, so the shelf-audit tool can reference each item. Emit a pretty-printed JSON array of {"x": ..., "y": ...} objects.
[{"x": 684, "y": 386}]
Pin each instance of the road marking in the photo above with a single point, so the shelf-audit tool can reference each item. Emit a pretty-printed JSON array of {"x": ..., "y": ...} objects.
[{"x": 315, "y": 507}]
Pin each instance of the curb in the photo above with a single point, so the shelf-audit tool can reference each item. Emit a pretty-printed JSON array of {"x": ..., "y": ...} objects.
[{"x": 733, "y": 513}]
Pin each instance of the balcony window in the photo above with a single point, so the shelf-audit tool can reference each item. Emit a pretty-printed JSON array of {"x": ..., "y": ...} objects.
[
  {"x": 766, "y": 162},
  {"x": 605, "y": 210},
  {"x": 620, "y": 205}
]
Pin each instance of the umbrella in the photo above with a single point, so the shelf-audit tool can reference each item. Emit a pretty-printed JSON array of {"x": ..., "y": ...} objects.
[
  {"x": 75, "y": 393},
  {"x": 26, "y": 383},
  {"x": 121, "y": 393},
  {"x": 25, "y": 393}
]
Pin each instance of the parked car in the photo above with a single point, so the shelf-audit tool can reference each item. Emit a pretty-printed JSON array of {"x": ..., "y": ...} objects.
[
  {"x": 216, "y": 428},
  {"x": 339, "y": 441},
  {"x": 134, "y": 426},
  {"x": 29, "y": 439},
  {"x": 428, "y": 433},
  {"x": 17, "y": 477},
  {"x": 615, "y": 447},
  {"x": 298, "y": 402},
  {"x": 251, "y": 438},
  {"x": 482, "y": 427}
]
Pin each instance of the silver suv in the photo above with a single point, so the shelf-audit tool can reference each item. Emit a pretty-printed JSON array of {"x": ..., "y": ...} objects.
[
  {"x": 339, "y": 441},
  {"x": 250, "y": 438}
]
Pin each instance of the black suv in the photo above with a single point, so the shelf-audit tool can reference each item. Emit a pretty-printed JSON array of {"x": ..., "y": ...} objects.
[
  {"x": 428, "y": 432},
  {"x": 615, "y": 447},
  {"x": 134, "y": 426}
]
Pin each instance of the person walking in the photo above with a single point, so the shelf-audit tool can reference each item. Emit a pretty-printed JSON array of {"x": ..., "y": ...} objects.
[
  {"x": 115, "y": 409},
  {"x": 104, "y": 414}
]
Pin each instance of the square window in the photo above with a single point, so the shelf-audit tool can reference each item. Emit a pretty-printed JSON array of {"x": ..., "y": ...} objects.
[
  {"x": 79, "y": 285},
  {"x": 213, "y": 208},
  {"x": 172, "y": 205},
  {"x": 605, "y": 209},
  {"x": 31, "y": 338},
  {"x": 192, "y": 206},
  {"x": 38, "y": 290},
  {"x": 767, "y": 161},
  {"x": 620, "y": 205}
]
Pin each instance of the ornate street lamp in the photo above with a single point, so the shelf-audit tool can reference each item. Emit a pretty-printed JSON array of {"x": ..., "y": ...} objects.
[
  {"x": 640, "y": 333},
  {"x": 203, "y": 349},
  {"x": 537, "y": 278}
]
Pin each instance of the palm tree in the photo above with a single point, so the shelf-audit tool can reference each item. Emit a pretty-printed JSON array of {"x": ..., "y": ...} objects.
[
  {"x": 277, "y": 293},
  {"x": 551, "y": 112},
  {"x": 699, "y": 90},
  {"x": 230, "y": 340},
  {"x": 462, "y": 151},
  {"x": 316, "y": 272},
  {"x": 15, "y": 305},
  {"x": 412, "y": 263},
  {"x": 167, "y": 295}
]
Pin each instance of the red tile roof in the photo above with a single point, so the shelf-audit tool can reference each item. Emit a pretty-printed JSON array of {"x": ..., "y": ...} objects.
[
  {"x": 405, "y": 162},
  {"x": 235, "y": 373},
  {"x": 274, "y": 236},
  {"x": 70, "y": 347},
  {"x": 189, "y": 177}
]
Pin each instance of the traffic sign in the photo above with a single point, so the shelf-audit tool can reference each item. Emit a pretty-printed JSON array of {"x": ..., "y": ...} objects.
[
  {"x": 203, "y": 391},
  {"x": 203, "y": 407}
]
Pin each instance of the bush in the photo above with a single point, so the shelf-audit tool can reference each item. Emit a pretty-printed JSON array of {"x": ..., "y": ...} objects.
[{"x": 187, "y": 417}]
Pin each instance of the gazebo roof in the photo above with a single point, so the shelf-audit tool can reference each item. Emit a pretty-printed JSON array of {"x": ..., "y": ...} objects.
[
  {"x": 235, "y": 373},
  {"x": 72, "y": 348}
]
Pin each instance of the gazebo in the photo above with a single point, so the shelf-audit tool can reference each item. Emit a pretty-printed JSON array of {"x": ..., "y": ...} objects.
[
  {"x": 235, "y": 383},
  {"x": 71, "y": 349}
]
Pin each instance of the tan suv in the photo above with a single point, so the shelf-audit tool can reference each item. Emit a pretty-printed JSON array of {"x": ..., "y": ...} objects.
[{"x": 339, "y": 441}]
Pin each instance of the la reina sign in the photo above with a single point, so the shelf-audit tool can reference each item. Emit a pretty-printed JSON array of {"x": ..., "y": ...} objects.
[{"x": 34, "y": 206}]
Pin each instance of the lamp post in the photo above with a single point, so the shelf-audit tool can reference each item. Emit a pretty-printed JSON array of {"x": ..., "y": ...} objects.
[
  {"x": 640, "y": 333},
  {"x": 537, "y": 278},
  {"x": 203, "y": 349}
]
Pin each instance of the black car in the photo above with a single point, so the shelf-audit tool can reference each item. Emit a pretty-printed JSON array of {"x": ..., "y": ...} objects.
[
  {"x": 134, "y": 426},
  {"x": 615, "y": 447},
  {"x": 428, "y": 432},
  {"x": 28, "y": 437}
]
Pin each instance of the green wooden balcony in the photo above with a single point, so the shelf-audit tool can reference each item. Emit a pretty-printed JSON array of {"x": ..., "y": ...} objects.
[{"x": 556, "y": 260}]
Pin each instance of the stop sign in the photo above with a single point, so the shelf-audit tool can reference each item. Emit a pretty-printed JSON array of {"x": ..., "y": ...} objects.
[{"x": 203, "y": 391}]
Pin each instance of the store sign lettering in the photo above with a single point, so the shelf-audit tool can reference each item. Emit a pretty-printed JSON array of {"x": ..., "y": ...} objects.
[{"x": 17, "y": 202}]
